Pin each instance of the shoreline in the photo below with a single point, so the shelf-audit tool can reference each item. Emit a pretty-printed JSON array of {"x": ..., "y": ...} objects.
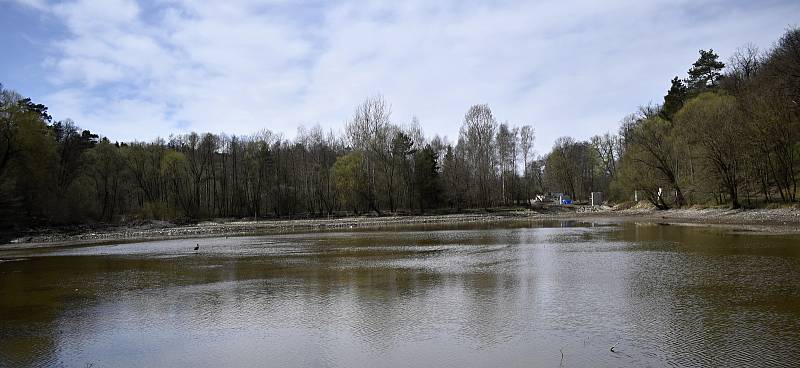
[
  {"x": 782, "y": 220},
  {"x": 788, "y": 218},
  {"x": 769, "y": 221}
]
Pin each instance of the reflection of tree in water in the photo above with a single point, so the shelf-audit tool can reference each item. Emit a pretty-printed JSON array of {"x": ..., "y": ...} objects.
[
  {"x": 489, "y": 313},
  {"x": 662, "y": 293},
  {"x": 387, "y": 305},
  {"x": 710, "y": 297},
  {"x": 33, "y": 295}
]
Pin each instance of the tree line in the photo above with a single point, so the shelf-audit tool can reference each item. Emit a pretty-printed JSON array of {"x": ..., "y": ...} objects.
[
  {"x": 723, "y": 134},
  {"x": 53, "y": 172}
]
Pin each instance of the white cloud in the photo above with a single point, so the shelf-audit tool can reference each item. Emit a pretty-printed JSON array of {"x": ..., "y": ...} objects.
[{"x": 139, "y": 70}]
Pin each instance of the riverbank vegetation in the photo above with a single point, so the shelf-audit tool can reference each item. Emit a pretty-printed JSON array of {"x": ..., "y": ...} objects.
[
  {"x": 731, "y": 137},
  {"x": 727, "y": 133}
]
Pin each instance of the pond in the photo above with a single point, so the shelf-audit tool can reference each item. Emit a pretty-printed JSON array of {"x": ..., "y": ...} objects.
[{"x": 505, "y": 295}]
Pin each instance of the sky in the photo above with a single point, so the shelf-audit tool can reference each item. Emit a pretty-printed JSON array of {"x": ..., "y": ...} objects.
[{"x": 137, "y": 70}]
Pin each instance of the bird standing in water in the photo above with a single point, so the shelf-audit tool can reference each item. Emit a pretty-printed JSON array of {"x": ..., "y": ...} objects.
[{"x": 197, "y": 247}]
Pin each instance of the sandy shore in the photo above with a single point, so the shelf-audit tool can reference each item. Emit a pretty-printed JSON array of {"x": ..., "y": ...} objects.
[{"x": 761, "y": 220}]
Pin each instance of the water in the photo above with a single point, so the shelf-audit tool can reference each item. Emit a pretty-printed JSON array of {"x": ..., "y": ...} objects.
[{"x": 517, "y": 295}]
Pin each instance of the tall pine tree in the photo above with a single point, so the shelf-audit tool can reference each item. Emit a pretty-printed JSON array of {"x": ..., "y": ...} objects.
[{"x": 705, "y": 72}]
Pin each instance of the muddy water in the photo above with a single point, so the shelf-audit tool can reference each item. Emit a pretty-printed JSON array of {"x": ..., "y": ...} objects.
[{"x": 513, "y": 296}]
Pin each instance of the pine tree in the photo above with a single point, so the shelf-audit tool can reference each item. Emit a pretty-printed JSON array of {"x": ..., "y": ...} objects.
[
  {"x": 674, "y": 99},
  {"x": 705, "y": 72},
  {"x": 426, "y": 175}
]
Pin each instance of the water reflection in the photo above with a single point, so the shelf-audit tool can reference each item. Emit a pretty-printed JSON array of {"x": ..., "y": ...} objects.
[{"x": 517, "y": 295}]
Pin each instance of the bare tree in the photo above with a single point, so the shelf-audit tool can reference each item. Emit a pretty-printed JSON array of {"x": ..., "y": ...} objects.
[
  {"x": 526, "y": 138},
  {"x": 369, "y": 131},
  {"x": 506, "y": 142},
  {"x": 607, "y": 147},
  {"x": 477, "y": 133}
]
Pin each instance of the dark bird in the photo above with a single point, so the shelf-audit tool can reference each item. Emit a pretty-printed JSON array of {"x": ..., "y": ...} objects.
[{"x": 196, "y": 247}]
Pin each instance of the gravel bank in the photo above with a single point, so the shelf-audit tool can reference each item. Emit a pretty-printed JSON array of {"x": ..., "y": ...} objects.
[
  {"x": 240, "y": 227},
  {"x": 763, "y": 220},
  {"x": 783, "y": 220}
]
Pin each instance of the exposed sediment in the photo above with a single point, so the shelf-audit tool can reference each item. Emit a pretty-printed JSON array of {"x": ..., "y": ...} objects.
[{"x": 786, "y": 220}]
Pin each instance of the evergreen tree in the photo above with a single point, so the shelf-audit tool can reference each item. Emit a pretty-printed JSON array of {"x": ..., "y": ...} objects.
[
  {"x": 426, "y": 178},
  {"x": 705, "y": 72},
  {"x": 674, "y": 99}
]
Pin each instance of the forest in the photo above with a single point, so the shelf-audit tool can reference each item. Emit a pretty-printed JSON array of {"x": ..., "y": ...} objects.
[{"x": 726, "y": 134}]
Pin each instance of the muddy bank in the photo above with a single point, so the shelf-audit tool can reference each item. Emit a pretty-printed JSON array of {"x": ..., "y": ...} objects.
[{"x": 762, "y": 220}]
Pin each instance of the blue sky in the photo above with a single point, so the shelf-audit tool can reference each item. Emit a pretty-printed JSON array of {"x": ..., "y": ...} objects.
[{"x": 143, "y": 69}]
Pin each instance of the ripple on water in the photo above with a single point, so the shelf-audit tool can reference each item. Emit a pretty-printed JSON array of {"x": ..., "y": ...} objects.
[{"x": 663, "y": 296}]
